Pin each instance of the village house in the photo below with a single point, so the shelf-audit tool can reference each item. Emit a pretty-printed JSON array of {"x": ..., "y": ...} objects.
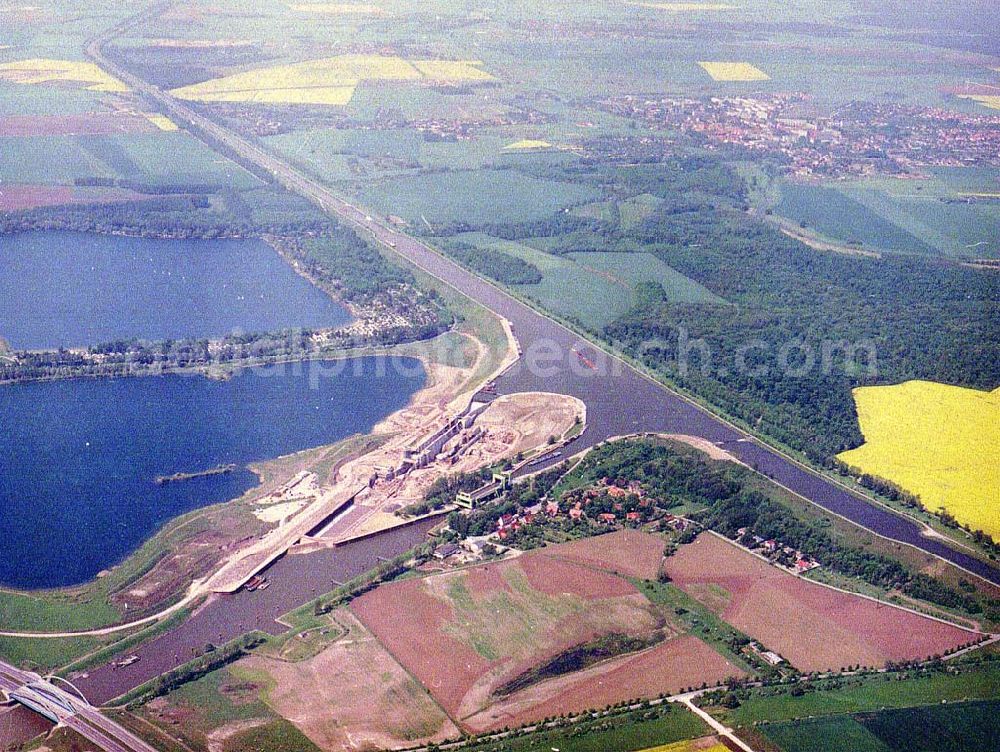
[{"x": 445, "y": 550}]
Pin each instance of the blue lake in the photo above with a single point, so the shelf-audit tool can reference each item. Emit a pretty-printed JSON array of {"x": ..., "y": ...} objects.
[
  {"x": 66, "y": 289},
  {"x": 79, "y": 458}
]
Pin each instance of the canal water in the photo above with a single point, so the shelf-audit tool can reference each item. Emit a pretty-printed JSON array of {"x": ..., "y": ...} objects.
[
  {"x": 67, "y": 289},
  {"x": 79, "y": 458}
]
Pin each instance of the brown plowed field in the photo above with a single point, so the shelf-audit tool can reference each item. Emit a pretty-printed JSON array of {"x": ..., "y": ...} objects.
[
  {"x": 554, "y": 576},
  {"x": 631, "y": 553},
  {"x": 465, "y": 633},
  {"x": 670, "y": 667},
  {"x": 88, "y": 124},
  {"x": 812, "y": 626},
  {"x": 18, "y": 197},
  {"x": 410, "y": 623}
]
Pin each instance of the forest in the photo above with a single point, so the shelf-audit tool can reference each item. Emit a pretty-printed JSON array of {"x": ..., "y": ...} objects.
[
  {"x": 801, "y": 328},
  {"x": 178, "y": 211},
  {"x": 502, "y": 267}
]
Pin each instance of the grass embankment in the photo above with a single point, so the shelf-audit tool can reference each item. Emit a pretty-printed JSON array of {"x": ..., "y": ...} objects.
[
  {"x": 57, "y": 610},
  {"x": 699, "y": 621},
  {"x": 68, "y": 654}
]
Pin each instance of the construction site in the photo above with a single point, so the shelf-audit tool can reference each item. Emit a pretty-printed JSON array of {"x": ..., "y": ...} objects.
[{"x": 435, "y": 436}]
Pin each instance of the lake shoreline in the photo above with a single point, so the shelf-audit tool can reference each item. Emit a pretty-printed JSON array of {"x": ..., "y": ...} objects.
[
  {"x": 62, "y": 290},
  {"x": 305, "y": 418},
  {"x": 439, "y": 387}
]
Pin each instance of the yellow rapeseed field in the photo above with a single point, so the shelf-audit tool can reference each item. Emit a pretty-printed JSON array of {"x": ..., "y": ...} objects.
[
  {"x": 691, "y": 745},
  {"x": 733, "y": 71},
  {"x": 685, "y": 7},
  {"x": 989, "y": 100},
  {"x": 339, "y": 9},
  {"x": 42, "y": 71},
  {"x": 161, "y": 121},
  {"x": 528, "y": 143},
  {"x": 326, "y": 81},
  {"x": 940, "y": 442}
]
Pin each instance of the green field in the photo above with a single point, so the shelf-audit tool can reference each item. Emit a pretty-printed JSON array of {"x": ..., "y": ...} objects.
[
  {"x": 190, "y": 162},
  {"x": 49, "y": 653},
  {"x": 628, "y": 213},
  {"x": 941, "y": 211},
  {"x": 138, "y": 157},
  {"x": 865, "y": 694},
  {"x": 274, "y": 736},
  {"x": 345, "y": 154},
  {"x": 48, "y": 160},
  {"x": 838, "y": 734},
  {"x": 960, "y": 727},
  {"x": 39, "y": 100},
  {"x": 476, "y": 197},
  {"x": 834, "y": 215},
  {"x": 629, "y": 269},
  {"x": 627, "y": 733},
  {"x": 593, "y": 288}
]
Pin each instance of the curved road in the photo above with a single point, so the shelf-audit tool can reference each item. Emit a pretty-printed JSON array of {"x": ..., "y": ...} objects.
[{"x": 74, "y": 713}]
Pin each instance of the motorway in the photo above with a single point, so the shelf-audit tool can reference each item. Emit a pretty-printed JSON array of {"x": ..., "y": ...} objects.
[
  {"x": 619, "y": 399},
  {"x": 71, "y": 711}
]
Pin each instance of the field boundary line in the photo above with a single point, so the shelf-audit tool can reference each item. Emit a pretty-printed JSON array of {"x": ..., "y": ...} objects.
[{"x": 405, "y": 670}]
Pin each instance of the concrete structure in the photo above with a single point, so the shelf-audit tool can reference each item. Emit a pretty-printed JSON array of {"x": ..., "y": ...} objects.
[
  {"x": 423, "y": 451},
  {"x": 471, "y": 499},
  {"x": 43, "y": 696}
]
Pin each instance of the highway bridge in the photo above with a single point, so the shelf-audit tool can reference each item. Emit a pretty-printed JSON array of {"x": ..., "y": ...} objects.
[{"x": 62, "y": 703}]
